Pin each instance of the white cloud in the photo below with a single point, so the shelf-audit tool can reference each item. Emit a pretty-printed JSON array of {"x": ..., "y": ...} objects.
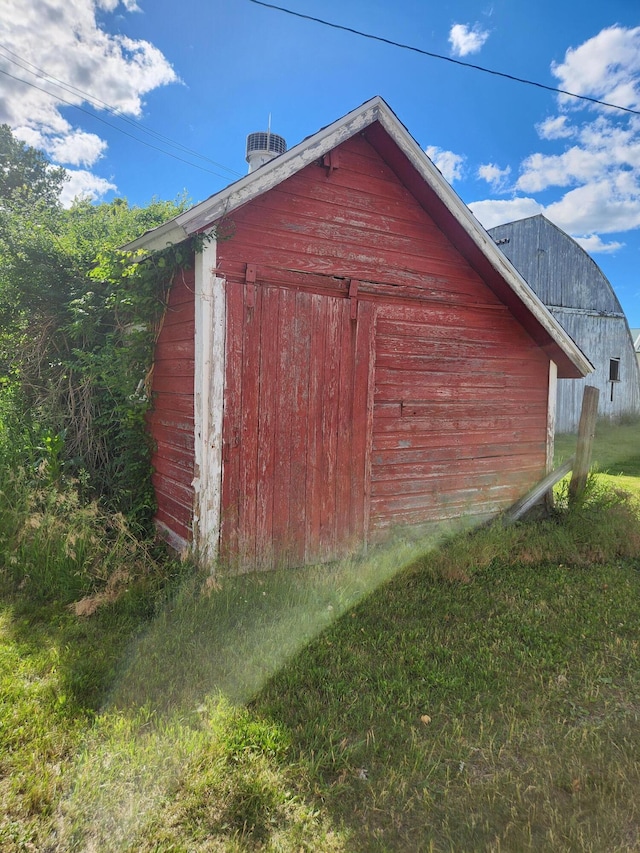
[
  {"x": 606, "y": 67},
  {"x": 594, "y": 245},
  {"x": 112, "y": 5},
  {"x": 589, "y": 167},
  {"x": 606, "y": 154},
  {"x": 616, "y": 143},
  {"x": 465, "y": 39},
  {"x": 555, "y": 127},
  {"x": 30, "y": 136},
  {"x": 450, "y": 164},
  {"x": 492, "y": 212},
  {"x": 494, "y": 175},
  {"x": 71, "y": 47},
  {"x": 540, "y": 171},
  {"x": 83, "y": 184},
  {"x": 77, "y": 149},
  {"x": 596, "y": 208}
]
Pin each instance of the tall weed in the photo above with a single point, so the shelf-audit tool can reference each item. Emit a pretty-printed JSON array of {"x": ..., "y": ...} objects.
[
  {"x": 601, "y": 526},
  {"x": 54, "y": 545}
]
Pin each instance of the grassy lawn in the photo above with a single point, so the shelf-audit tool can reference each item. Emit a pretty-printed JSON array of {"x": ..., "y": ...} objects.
[
  {"x": 616, "y": 449},
  {"x": 481, "y": 693}
]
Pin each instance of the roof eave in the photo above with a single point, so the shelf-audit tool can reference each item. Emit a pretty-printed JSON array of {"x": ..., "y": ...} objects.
[
  {"x": 259, "y": 181},
  {"x": 167, "y": 234},
  {"x": 483, "y": 240},
  {"x": 273, "y": 173}
]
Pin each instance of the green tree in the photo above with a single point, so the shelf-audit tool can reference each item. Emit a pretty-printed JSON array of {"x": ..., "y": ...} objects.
[
  {"x": 77, "y": 326},
  {"x": 26, "y": 176}
]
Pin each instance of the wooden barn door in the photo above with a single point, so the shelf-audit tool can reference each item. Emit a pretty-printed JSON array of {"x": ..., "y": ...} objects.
[{"x": 297, "y": 426}]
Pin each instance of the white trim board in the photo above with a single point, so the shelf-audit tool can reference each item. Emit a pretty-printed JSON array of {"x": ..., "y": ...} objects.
[{"x": 208, "y": 398}]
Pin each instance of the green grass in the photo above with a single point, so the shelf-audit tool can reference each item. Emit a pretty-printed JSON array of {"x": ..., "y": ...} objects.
[
  {"x": 616, "y": 447},
  {"x": 529, "y": 676},
  {"x": 480, "y": 695}
]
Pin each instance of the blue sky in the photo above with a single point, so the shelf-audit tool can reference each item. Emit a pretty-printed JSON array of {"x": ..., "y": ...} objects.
[{"x": 201, "y": 75}]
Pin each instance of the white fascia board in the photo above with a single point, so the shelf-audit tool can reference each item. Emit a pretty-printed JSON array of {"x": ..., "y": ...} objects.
[
  {"x": 273, "y": 173},
  {"x": 167, "y": 234},
  {"x": 552, "y": 404},
  {"x": 485, "y": 243}
]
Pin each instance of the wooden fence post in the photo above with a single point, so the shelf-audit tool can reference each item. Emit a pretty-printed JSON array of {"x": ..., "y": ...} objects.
[{"x": 586, "y": 432}]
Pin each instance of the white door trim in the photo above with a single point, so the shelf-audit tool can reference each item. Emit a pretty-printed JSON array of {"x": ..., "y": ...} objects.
[{"x": 210, "y": 328}]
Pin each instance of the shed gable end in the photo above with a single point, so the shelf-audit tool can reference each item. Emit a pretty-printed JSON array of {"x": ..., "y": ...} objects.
[
  {"x": 452, "y": 416},
  {"x": 348, "y": 215}
]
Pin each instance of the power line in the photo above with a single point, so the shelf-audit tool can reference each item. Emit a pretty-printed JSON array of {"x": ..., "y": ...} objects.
[
  {"x": 21, "y": 62},
  {"x": 111, "y": 125},
  {"x": 441, "y": 56}
]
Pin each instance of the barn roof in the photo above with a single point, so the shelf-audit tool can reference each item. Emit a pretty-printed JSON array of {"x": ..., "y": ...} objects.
[
  {"x": 556, "y": 266},
  {"x": 412, "y": 166}
]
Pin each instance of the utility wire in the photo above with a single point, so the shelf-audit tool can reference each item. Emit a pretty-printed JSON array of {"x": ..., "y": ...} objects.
[
  {"x": 21, "y": 62},
  {"x": 111, "y": 125},
  {"x": 441, "y": 56}
]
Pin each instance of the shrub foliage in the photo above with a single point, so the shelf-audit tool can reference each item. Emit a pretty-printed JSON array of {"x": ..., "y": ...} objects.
[{"x": 78, "y": 321}]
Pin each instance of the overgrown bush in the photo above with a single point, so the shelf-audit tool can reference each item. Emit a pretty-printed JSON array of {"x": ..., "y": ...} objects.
[
  {"x": 77, "y": 364},
  {"x": 78, "y": 322}
]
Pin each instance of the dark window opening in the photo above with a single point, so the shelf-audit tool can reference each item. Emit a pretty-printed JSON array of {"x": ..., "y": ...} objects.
[{"x": 614, "y": 369}]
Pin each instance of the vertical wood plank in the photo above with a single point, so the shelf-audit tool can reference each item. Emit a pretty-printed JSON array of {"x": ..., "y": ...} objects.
[
  {"x": 299, "y": 366},
  {"x": 330, "y": 403},
  {"x": 231, "y": 427},
  {"x": 283, "y": 395},
  {"x": 363, "y": 389},
  {"x": 314, "y": 428},
  {"x": 266, "y": 426},
  {"x": 249, "y": 368},
  {"x": 586, "y": 433},
  {"x": 344, "y": 452},
  {"x": 552, "y": 400},
  {"x": 551, "y": 413},
  {"x": 370, "y": 311}
]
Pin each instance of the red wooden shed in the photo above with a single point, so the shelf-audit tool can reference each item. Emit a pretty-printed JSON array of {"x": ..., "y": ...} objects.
[{"x": 356, "y": 354}]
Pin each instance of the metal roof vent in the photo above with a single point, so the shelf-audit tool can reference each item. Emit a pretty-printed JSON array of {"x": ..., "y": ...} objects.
[{"x": 262, "y": 147}]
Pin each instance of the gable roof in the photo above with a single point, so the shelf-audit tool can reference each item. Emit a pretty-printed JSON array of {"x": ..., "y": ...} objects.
[{"x": 402, "y": 153}]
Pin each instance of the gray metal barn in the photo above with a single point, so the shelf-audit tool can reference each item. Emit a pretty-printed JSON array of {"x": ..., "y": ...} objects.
[{"x": 581, "y": 299}]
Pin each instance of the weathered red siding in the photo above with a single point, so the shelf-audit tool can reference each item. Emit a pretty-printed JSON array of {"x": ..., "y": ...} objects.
[
  {"x": 460, "y": 413},
  {"x": 458, "y": 422},
  {"x": 171, "y": 419}
]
